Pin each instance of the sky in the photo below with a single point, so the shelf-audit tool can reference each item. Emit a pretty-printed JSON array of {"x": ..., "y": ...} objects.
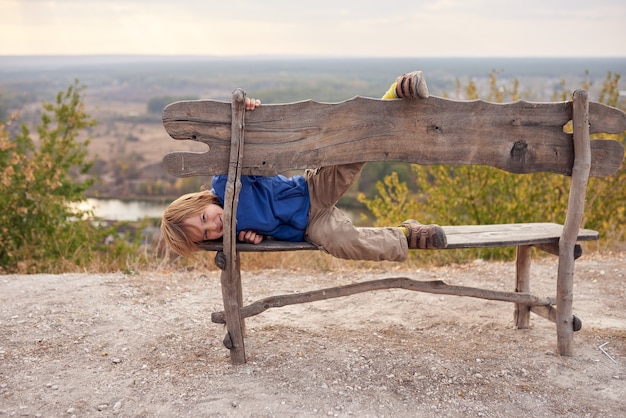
[{"x": 324, "y": 28}]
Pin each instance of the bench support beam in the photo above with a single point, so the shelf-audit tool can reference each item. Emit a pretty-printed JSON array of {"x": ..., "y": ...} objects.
[
  {"x": 231, "y": 274},
  {"x": 436, "y": 287}
]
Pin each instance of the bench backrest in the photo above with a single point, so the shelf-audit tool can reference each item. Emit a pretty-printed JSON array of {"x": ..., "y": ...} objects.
[{"x": 520, "y": 137}]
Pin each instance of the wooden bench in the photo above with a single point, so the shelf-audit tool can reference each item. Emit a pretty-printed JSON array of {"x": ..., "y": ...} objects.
[{"x": 519, "y": 137}]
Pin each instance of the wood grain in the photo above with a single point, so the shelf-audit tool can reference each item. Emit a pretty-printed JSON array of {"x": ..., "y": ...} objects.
[
  {"x": 520, "y": 137},
  {"x": 459, "y": 236}
]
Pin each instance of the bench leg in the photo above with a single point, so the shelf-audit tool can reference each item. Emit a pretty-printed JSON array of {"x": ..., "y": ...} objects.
[
  {"x": 233, "y": 300},
  {"x": 565, "y": 321},
  {"x": 522, "y": 271}
]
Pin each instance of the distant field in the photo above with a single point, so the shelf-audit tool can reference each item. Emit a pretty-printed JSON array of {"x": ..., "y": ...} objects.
[{"x": 119, "y": 88}]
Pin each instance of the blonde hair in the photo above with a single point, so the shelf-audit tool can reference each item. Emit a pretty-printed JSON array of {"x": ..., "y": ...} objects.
[{"x": 173, "y": 230}]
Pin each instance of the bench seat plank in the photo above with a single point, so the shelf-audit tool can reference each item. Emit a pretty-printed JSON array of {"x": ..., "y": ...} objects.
[
  {"x": 505, "y": 235},
  {"x": 459, "y": 236}
]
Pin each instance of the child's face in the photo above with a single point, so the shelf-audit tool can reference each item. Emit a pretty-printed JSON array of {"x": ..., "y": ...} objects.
[{"x": 208, "y": 225}]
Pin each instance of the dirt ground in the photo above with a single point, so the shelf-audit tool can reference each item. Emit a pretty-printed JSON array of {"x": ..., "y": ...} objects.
[{"x": 144, "y": 345}]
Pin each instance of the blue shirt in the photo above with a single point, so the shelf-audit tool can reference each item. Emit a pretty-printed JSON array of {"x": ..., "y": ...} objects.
[{"x": 273, "y": 206}]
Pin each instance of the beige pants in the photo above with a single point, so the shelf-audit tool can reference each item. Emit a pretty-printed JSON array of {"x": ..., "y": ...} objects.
[{"x": 331, "y": 230}]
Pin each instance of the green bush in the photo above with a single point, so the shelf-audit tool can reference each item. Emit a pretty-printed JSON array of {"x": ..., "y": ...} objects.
[{"x": 38, "y": 185}]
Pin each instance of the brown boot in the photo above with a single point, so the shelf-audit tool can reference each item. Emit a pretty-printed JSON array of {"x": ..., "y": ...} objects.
[
  {"x": 411, "y": 85},
  {"x": 427, "y": 237}
]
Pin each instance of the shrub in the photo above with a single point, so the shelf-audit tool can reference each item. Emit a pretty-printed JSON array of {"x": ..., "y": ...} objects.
[{"x": 40, "y": 181}]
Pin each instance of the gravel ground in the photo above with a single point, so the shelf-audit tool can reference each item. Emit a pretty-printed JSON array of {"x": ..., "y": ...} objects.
[{"x": 144, "y": 345}]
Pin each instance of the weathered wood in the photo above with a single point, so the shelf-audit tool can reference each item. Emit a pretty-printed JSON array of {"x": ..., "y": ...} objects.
[
  {"x": 508, "y": 235},
  {"x": 436, "y": 287},
  {"x": 545, "y": 311},
  {"x": 573, "y": 219},
  {"x": 549, "y": 312},
  {"x": 231, "y": 275},
  {"x": 522, "y": 273},
  {"x": 459, "y": 236},
  {"x": 520, "y": 137},
  {"x": 553, "y": 248}
]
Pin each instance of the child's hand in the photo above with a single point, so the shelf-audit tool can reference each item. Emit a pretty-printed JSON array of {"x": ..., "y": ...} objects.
[
  {"x": 250, "y": 237},
  {"x": 251, "y": 103}
]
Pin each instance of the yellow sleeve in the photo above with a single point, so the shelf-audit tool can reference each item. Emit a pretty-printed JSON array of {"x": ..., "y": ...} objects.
[{"x": 391, "y": 93}]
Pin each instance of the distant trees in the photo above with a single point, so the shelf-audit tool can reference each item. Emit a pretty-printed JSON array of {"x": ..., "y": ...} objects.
[{"x": 157, "y": 104}]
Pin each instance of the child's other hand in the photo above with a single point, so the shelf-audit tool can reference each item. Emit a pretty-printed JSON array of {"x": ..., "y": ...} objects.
[
  {"x": 250, "y": 237},
  {"x": 251, "y": 103}
]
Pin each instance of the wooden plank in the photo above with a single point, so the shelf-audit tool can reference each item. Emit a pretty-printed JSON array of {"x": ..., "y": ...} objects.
[
  {"x": 603, "y": 118},
  {"x": 520, "y": 137},
  {"x": 503, "y": 235},
  {"x": 459, "y": 236},
  {"x": 264, "y": 246}
]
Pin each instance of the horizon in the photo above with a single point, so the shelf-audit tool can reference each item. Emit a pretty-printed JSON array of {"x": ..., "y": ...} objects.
[
  {"x": 304, "y": 56},
  {"x": 246, "y": 66}
]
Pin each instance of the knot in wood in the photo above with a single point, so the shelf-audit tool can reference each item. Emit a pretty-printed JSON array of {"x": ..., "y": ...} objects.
[
  {"x": 228, "y": 341},
  {"x": 434, "y": 129},
  {"x": 220, "y": 260},
  {"x": 519, "y": 151}
]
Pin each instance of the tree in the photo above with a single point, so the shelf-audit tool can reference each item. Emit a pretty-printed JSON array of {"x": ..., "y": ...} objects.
[{"x": 41, "y": 183}]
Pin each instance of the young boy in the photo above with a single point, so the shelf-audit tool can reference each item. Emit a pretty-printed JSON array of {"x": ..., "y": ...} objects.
[{"x": 299, "y": 208}]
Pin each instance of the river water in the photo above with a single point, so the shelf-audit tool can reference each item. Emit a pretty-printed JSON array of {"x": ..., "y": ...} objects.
[{"x": 124, "y": 210}]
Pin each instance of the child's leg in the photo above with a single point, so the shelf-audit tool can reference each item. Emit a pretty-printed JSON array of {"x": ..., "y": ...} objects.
[
  {"x": 334, "y": 233},
  {"x": 411, "y": 86},
  {"x": 330, "y": 229},
  {"x": 328, "y": 184}
]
